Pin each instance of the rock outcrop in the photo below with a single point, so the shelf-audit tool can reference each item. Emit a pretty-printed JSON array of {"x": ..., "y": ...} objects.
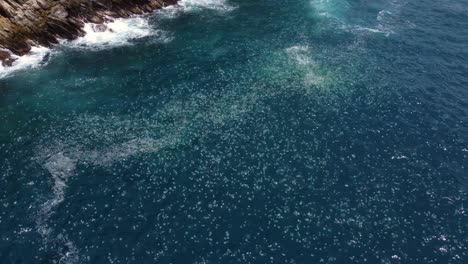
[{"x": 25, "y": 23}]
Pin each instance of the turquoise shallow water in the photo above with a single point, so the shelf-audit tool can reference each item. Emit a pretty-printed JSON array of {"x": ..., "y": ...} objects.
[{"x": 244, "y": 132}]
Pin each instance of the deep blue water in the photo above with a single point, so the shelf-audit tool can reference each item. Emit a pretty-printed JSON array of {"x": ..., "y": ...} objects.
[{"x": 268, "y": 131}]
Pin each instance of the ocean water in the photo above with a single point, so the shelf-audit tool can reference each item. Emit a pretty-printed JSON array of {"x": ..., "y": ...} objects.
[{"x": 235, "y": 131}]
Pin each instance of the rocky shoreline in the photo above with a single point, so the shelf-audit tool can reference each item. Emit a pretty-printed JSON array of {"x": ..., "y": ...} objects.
[{"x": 27, "y": 23}]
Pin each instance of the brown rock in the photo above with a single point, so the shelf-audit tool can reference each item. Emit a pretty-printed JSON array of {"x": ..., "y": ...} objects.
[
  {"x": 6, "y": 10},
  {"x": 44, "y": 4},
  {"x": 96, "y": 19},
  {"x": 58, "y": 12},
  {"x": 4, "y": 55},
  {"x": 24, "y": 23}
]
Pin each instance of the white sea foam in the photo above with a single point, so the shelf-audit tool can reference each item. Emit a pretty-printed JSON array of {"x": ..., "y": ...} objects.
[
  {"x": 36, "y": 58},
  {"x": 120, "y": 32},
  {"x": 301, "y": 55},
  {"x": 329, "y": 8},
  {"x": 197, "y": 5},
  {"x": 60, "y": 168},
  {"x": 335, "y": 11},
  {"x": 382, "y": 14},
  {"x": 379, "y": 29},
  {"x": 188, "y": 6}
]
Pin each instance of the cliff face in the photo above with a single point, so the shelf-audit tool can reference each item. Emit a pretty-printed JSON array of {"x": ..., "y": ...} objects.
[{"x": 24, "y": 23}]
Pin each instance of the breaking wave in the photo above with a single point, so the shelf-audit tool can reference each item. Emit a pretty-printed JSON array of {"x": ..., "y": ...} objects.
[
  {"x": 38, "y": 57},
  {"x": 119, "y": 32},
  {"x": 197, "y": 5}
]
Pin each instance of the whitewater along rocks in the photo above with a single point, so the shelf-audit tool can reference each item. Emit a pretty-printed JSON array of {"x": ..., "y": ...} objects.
[{"x": 26, "y": 23}]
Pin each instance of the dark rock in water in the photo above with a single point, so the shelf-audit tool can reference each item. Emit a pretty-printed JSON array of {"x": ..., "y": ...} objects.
[
  {"x": 6, "y": 59},
  {"x": 96, "y": 19},
  {"x": 25, "y": 23},
  {"x": 45, "y": 59},
  {"x": 4, "y": 55},
  {"x": 8, "y": 62},
  {"x": 99, "y": 28}
]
